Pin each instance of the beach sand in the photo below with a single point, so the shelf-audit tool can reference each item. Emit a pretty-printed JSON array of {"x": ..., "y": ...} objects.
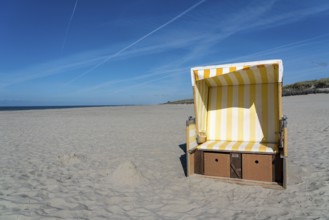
[{"x": 126, "y": 163}]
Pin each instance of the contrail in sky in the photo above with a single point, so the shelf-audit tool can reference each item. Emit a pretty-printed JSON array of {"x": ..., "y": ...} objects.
[
  {"x": 137, "y": 41},
  {"x": 69, "y": 25}
]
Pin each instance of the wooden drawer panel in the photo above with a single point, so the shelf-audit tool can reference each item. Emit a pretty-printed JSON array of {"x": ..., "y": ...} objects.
[
  {"x": 216, "y": 164},
  {"x": 257, "y": 167}
]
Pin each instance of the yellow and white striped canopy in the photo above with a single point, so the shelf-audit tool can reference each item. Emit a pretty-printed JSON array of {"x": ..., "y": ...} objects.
[
  {"x": 257, "y": 72},
  {"x": 239, "y": 102}
]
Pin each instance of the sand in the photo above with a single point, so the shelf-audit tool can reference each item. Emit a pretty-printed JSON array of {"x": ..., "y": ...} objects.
[{"x": 126, "y": 163}]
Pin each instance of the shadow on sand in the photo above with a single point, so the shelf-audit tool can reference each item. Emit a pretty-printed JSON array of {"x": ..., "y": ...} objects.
[{"x": 183, "y": 157}]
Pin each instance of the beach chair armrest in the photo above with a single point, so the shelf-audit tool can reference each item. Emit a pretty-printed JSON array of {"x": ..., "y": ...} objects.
[
  {"x": 191, "y": 146},
  {"x": 190, "y": 121},
  {"x": 191, "y": 135}
]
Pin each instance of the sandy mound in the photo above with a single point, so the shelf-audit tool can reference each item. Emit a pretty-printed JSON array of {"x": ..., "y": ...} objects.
[{"x": 126, "y": 174}]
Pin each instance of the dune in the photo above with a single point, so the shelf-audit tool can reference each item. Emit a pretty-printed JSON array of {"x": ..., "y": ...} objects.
[
  {"x": 128, "y": 162},
  {"x": 126, "y": 175}
]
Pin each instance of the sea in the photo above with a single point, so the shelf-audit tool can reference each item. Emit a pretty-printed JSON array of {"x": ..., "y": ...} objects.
[{"x": 24, "y": 108}]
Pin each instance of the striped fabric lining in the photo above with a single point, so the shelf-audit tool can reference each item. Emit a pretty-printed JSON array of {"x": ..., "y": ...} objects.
[
  {"x": 238, "y": 105},
  {"x": 268, "y": 71},
  {"x": 201, "y": 104},
  {"x": 243, "y": 113},
  {"x": 248, "y": 75},
  {"x": 253, "y": 75},
  {"x": 234, "y": 146}
]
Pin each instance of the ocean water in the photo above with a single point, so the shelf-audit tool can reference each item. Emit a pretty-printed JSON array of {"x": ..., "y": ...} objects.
[{"x": 23, "y": 108}]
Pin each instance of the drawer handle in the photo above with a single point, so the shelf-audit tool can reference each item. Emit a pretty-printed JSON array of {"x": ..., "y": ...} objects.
[
  {"x": 256, "y": 161},
  {"x": 216, "y": 160}
]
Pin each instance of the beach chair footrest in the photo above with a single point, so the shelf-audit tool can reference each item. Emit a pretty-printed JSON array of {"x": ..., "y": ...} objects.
[{"x": 249, "y": 166}]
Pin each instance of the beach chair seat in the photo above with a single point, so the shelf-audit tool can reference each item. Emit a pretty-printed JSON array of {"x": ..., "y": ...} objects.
[{"x": 238, "y": 146}]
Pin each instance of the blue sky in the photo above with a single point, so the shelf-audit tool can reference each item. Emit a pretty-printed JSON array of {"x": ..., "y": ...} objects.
[{"x": 89, "y": 52}]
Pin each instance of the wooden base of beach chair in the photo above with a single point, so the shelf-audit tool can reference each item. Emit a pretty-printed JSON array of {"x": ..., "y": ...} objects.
[
  {"x": 269, "y": 185},
  {"x": 236, "y": 165},
  {"x": 250, "y": 167},
  {"x": 285, "y": 173},
  {"x": 216, "y": 164},
  {"x": 258, "y": 167},
  {"x": 194, "y": 162}
]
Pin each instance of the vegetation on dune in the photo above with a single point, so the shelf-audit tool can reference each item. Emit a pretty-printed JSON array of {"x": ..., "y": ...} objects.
[
  {"x": 184, "y": 101},
  {"x": 307, "y": 87},
  {"x": 299, "y": 88}
]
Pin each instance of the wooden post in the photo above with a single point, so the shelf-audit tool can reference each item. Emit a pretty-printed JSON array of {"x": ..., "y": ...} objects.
[
  {"x": 195, "y": 109},
  {"x": 285, "y": 173},
  {"x": 285, "y": 142},
  {"x": 190, "y": 155},
  {"x": 285, "y": 139},
  {"x": 279, "y": 102}
]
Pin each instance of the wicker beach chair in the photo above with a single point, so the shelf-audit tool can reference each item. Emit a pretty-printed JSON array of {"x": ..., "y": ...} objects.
[{"x": 239, "y": 132}]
